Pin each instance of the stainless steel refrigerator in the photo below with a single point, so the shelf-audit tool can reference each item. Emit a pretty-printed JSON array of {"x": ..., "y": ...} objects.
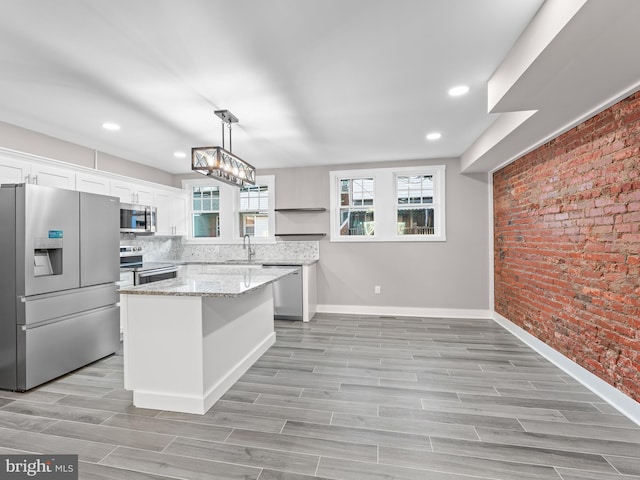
[{"x": 59, "y": 261}]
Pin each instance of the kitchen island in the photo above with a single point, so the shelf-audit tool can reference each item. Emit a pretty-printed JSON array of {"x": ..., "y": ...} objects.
[{"x": 187, "y": 340}]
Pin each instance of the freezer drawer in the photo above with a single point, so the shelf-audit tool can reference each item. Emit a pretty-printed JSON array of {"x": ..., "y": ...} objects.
[
  {"x": 287, "y": 294},
  {"x": 53, "y": 349},
  {"x": 44, "y": 307}
]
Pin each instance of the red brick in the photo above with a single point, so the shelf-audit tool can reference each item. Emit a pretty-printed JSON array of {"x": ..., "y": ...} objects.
[{"x": 567, "y": 244}]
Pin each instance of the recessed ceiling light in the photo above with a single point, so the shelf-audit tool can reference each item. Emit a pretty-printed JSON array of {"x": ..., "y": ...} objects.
[
  {"x": 111, "y": 126},
  {"x": 459, "y": 90},
  {"x": 179, "y": 154},
  {"x": 434, "y": 136}
]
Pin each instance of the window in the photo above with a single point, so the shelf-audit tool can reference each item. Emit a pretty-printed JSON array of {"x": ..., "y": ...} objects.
[
  {"x": 221, "y": 213},
  {"x": 254, "y": 211},
  {"x": 388, "y": 204},
  {"x": 206, "y": 211},
  {"x": 415, "y": 211},
  {"x": 356, "y": 206}
]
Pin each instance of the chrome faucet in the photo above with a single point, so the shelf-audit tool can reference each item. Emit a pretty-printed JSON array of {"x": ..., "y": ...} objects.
[{"x": 250, "y": 251}]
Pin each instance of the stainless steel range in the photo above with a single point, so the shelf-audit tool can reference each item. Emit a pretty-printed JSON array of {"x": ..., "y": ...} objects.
[{"x": 131, "y": 260}]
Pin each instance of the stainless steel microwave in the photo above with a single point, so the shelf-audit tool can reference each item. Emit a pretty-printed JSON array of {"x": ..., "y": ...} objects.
[{"x": 140, "y": 219}]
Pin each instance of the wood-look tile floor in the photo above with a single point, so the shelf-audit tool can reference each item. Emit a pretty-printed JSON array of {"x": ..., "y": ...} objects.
[{"x": 344, "y": 397}]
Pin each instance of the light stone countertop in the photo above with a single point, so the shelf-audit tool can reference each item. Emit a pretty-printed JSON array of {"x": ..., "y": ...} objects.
[
  {"x": 256, "y": 262},
  {"x": 225, "y": 282}
]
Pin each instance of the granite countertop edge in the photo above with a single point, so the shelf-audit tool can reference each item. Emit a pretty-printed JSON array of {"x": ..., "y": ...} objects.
[
  {"x": 210, "y": 285},
  {"x": 257, "y": 262}
]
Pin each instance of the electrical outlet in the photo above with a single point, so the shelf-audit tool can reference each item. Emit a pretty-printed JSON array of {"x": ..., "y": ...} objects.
[{"x": 376, "y": 289}]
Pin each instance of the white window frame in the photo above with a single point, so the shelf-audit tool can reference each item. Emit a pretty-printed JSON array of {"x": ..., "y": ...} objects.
[
  {"x": 359, "y": 176},
  {"x": 229, "y": 211},
  {"x": 386, "y": 203},
  {"x": 270, "y": 182},
  {"x": 192, "y": 211}
]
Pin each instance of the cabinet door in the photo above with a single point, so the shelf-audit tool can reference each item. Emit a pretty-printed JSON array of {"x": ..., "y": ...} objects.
[
  {"x": 162, "y": 201},
  {"x": 144, "y": 195},
  {"x": 92, "y": 184},
  {"x": 53, "y": 176},
  {"x": 179, "y": 214},
  {"x": 122, "y": 190},
  {"x": 172, "y": 212},
  {"x": 13, "y": 171},
  {"x": 132, "y": 193}
]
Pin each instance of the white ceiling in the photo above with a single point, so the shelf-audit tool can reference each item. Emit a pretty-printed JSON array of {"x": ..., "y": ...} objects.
[{"x": 313, "y": 82}]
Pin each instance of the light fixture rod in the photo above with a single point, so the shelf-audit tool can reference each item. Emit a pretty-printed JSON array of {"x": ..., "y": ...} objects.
[{"x": 227, "y": 118}]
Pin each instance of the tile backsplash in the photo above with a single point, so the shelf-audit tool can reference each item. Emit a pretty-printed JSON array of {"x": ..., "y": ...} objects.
[{"x": 159, "y": 248}]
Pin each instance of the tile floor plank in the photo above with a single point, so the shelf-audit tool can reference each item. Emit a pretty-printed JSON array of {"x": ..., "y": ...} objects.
[
  {"x": 243, "y": 455},
  {"x": 57, "y": 412},
  {"x": 164, "y": 426},
  {"x": 232, "y": 420},
  {"x": 353, "y": 470},
  {"x": 300, "y": 444},
  {"x": 438, "y": 462},
  {"x": 333, "y": 406},
  {"x": 357, "y": 435},
  {"x": 95, "y": 471},
  {"x": 177, "y": 466},
  {"x": 560, "y": 442},
  {"x": 27, "y": 423},
  {"x": 115, "y": 436},
  {"x": 522, "y": 454},
  {"x": 50, "y": 444}
]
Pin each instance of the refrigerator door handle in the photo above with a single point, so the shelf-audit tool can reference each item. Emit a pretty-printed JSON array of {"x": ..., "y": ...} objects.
[{"x": 49, "y": 321}]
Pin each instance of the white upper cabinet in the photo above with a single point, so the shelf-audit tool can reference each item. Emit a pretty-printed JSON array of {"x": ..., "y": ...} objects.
[
  {"x": 179, "y": 213},
  {"x": 52, "y": 176},
  {"x": 13, "y": 171},
  {"x": 87, "y": 182},
  {"x": 132, "y": 193},
  {"x": 171, "y": 203},
  {"x": 171, "y": 212}
]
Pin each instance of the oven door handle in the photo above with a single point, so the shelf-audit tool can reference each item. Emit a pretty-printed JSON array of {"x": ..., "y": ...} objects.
[{"x": 157, "y": 271}]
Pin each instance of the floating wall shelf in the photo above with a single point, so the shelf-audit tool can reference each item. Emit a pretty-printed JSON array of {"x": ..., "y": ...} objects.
[
  {"x": 301, "y": 234},
  {"x": 301, "y": 210},
  {"x": 311, "y": 209}
]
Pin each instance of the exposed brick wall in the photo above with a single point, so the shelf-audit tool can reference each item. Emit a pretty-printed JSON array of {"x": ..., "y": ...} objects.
[{"x": 567, "y": 244}]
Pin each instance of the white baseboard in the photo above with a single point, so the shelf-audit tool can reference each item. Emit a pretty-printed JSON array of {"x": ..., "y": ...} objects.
[
  {"x": 405, "y": 311},
  {"x": 623, "y": 403},
  {"x": 219, "y": 389}
]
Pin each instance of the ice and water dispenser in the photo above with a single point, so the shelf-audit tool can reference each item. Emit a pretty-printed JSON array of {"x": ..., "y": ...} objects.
[{"x": 47, "y": 254}]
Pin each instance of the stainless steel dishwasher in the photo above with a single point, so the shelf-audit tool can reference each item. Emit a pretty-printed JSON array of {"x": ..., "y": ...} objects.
[{"x": 287, "y": 294}]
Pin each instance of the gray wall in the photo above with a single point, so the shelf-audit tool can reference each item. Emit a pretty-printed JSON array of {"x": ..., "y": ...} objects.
[
  {"x": 452, "y": 274},
  {"x": 23, "y": 140}
]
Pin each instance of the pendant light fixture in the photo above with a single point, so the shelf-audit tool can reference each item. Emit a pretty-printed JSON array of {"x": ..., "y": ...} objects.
[{"x": 221, "y": 164}]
